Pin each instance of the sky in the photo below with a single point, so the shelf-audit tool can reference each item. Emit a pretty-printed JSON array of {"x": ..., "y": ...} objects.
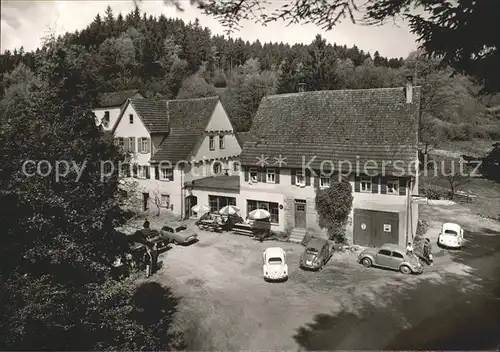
[{"x": 25, "y": 23}]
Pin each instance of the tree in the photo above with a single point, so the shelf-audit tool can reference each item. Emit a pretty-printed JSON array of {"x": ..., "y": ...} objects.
[
  {"x": 490, "y": 165},
  {"x": 334, "y": 205},
  {"x": 195, "y": 86},
  {"x": 58, "y": 239},
  {"x": 454, "y": 172},
  {"x": 463, "y": 34},
  {"x": 320, "y": 66}
]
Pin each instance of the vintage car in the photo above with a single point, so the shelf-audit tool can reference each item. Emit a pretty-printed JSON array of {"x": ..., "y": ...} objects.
[
  {"x": 178, "y": 233},
  {"x": 151, "y": 237},
  {"x": 275, "y": 267},
  {"x": 451, "y": 236},
  {"x": 316, "y": 254},
  {"x": 391, "y": 256}
]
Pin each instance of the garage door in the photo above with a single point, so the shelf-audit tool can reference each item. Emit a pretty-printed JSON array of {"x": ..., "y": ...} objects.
[{"x": 374, "y": 228}]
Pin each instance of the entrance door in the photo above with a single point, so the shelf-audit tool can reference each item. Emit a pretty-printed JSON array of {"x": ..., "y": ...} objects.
[
  {"x": 145, "y": 201},
  {"x": 300, "y": 213},
  {"x": 363, "y": 227},
  {"x": 190, "y": 202}
]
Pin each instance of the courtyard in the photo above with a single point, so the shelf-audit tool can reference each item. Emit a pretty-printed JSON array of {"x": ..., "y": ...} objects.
[{"x": 226, "y": 305}]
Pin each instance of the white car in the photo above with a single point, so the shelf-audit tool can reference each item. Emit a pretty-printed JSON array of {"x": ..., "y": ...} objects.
[
  {"x": 451, "y": 235},
  {"x": 275, "y": 267}
]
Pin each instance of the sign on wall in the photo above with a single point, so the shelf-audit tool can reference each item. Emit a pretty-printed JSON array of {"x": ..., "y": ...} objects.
[{"x": 387, "y": 228}]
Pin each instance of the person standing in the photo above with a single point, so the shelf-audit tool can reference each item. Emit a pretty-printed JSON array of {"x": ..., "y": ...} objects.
[
  {"x": 428, "y": 252},
  {"x": 154, "y": 259},
  {"x": 148, "y": 261},
  {"x": 409, "y": 248},
  {"x": 146, "y": 224}
]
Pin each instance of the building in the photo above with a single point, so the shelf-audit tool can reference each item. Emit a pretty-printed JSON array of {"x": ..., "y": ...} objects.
[
  {"x": 170, "y": 143},
  {"x": 110, "y": 107},
  {"x": 300, "y": 141}
]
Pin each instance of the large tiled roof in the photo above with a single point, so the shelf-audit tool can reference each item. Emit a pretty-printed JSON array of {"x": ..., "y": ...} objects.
[
  {"x": 113, "y": 99},
  {"x": 363, "y": 124},
  {"x": 154, "y": 114},
  {"x": 229, "y": 183},
  {"x": 188, "y": 119},
  {"x": 243, "y": 137}
]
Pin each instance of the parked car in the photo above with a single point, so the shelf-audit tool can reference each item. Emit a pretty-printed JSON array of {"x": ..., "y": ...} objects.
[
  {"x": 316, "y": 254},
  {"x": 275, "y": 267},
  {"x": 178, "y": 233},
  {"x": 151, "y": 237},
  {"x": 391, "y": 256},
  {"x": 451, "y": 235}
]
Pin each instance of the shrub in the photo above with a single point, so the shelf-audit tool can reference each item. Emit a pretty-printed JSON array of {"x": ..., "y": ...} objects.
[
  {"x": 333, "y": 205},
  {"x": 432, "y": 191},
  {"x": 422, "y": 228}
]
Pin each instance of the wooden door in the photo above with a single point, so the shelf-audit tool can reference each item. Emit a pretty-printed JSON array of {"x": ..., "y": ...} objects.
[
  {"x": 363, "y": 227},
  {"x": 300, "y": 214}
]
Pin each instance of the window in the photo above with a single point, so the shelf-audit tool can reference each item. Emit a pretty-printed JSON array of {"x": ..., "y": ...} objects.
[
  {"x": 272, "y": 208},
  {"x": 125, "y": 170},
  {"x": 141, "y": 171},
  {"x": 221, "y": 142},
  {"x": 105, "y": 119},
  {"x": 121, "y": 143},
  {"x": 397, "y": 255},
  {"x": 366, "y": 184},
  {"x": 300, "y": 179},
  {"x": 236, "y": 166},
  {"x": 211, "y": 143},
  {"x": 384, "y": 252},
  {"x": 143, "y": 147},
  {"x": 253, "y": 175},
  {"x": 165, "y": 200},
  {"x": 324, "y": 182},
  {"x": 270, "y": 176},
  {"x": 166, "y": 173},
  {"x": 217, "y": 168},
  {"x": 216, "y": 203},
  {"x": 393, "y": 186},
  {"x": 131, "y": 118}
]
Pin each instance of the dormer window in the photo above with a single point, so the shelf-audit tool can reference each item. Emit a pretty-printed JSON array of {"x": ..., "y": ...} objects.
[
  {"x": 221, "y": 142},
  {"x": 105, "y": 119},
  {"x": 211, "y": 143},
  {"x": 131, "y": 118}
]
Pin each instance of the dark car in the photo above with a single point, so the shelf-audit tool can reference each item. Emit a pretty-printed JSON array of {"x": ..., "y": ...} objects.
[
  {"x": 178, "y": 233},
  {"x": 316, "y": 254},
  {"x": 391, "y": 256},
  {"x": 151, "y": 237}
]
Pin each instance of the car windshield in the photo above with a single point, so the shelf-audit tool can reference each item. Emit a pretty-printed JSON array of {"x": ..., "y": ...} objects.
[
  {"x": 450, "y": 232},
  {"x": 275, "y": 260},
  {"x": 180, "y": 228},
  {"x": 312, "y": 250}
]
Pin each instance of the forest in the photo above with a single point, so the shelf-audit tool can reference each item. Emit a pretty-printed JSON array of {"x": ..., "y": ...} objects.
[{"x": 168, "y": 59}]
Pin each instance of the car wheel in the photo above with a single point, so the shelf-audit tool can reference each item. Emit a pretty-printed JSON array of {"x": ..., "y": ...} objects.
[
  {"x": 405, "y": 269},
  {"x": 367, "y": 262}
]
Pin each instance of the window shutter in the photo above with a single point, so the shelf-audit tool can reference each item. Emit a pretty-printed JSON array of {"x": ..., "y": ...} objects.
[
  {"x": 157, "y": 172},
  {"x": 293, "y": 176},
  {"x": 308, "y": 178},
  {"x": 134, "y": 170},
  {"x": 316, "y": 180},
  {"x": 148, "y": 145},
  {"x": 147, "y": 171},
  {"x": 375, "y": 184},
  {"x": 277, "y": 176},
  {"x": 138, "y": 149},
  {"x": 172, "y": 174},
  {"x": 383, "y": 185},
  {"x": 357, "y": 180},
  {"x": 263, "y": 175},
  {"x": 402, "y": 186},
  {"x": 245, "y": 170}
]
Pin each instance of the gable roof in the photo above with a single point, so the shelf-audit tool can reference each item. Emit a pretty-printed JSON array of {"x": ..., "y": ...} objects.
[
  {"x": 339, "y": 125},
  {"x": 115, "y": 99},
  {"x": 153, "y": 113},
  {"x": 188, "y": 120}
]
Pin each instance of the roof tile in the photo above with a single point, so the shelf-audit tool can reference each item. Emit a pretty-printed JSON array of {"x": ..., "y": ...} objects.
[{"x": 114, "y": 99}]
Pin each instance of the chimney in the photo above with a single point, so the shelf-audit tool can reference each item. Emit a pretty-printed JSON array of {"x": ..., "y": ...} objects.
[
  {"x": 409, "y": 89},
  {"x": 301, "y": 87}
]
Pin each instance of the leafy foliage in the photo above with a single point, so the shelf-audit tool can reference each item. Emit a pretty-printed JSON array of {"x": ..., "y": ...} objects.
[
  {"x": 334, "y": 205},
  {"x": 58, "y": 242},
  {"x": 490, "y": 166}
]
